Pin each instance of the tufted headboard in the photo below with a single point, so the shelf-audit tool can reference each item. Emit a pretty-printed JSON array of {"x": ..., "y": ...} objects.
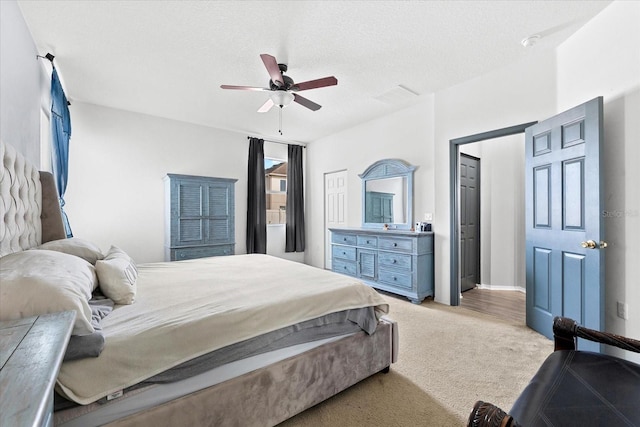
[{"x": 28, "y": 204}]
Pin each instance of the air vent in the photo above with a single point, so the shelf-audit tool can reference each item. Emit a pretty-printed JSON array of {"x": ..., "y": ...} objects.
[{"x": 396, "y": 96}]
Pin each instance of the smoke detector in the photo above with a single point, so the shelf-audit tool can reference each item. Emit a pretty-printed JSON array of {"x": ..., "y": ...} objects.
[{"x": 530, "y": 41}]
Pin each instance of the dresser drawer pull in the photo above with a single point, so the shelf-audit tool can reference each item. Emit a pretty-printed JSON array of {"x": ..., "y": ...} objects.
[
  {"x": 394, "y": 261},
  {"x": 344, "y": 239},
  {"x": 395, "y": 279},
  {"x": 395, "y": 244},
  {"x": 368, "y": 242},
  {"x": 344, "y": 253}
]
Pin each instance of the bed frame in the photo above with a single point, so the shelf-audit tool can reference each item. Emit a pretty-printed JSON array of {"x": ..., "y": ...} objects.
[{"x": 266, "y": 396}]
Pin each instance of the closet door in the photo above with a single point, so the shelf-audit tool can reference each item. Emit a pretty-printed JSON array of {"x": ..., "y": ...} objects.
[
  {"x": 190, "y": 219},
  {"x": 220, "y": 215}
]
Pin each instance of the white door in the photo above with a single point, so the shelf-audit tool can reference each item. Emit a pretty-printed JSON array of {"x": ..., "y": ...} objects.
[{"x": 335, "y": 208}]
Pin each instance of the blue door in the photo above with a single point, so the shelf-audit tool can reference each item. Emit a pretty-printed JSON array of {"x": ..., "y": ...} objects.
[{"x": 564, "y": 230}]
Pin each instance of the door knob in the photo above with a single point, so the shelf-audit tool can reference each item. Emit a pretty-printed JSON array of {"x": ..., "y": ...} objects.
[{"x": 590, "y": 244}]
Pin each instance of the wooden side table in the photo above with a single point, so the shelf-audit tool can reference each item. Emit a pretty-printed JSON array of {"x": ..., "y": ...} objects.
[{"x": 31, "y": 352}]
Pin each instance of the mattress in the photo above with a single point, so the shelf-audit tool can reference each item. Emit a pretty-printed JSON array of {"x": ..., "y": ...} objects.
[
  {"x": 332, "y": 325},
  {"x": 139, "y": 399},
  {"x": 187, "y": 309}
]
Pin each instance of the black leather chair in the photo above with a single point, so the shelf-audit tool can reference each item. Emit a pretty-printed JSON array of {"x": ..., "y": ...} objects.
[{"x": 573, "y": 387}]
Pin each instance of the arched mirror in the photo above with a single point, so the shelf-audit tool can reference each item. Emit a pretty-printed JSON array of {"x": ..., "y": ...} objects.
[{"x": 387, "y": 194}]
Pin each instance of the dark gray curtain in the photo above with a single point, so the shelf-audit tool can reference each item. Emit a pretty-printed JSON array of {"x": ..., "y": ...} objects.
[
  {"x": 256, "y": 200},
  {"x": 295, "y": 201}
]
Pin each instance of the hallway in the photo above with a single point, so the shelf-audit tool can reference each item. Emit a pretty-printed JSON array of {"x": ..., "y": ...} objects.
[{"x": 507, "y": 305}]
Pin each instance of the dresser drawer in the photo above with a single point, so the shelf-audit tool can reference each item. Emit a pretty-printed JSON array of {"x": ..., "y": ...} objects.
[
  {"x": 201, "y": 252},
  {"x": 344, "y": 267},
  {"x": 401, "y": 280},
  {"x": 394, "y": 260},
  {"x": 345, "y": 239},
  {"x": 344, "y": 252},
  {"x": 396, "y": 244},
  {"x": 368, "y": 241}
]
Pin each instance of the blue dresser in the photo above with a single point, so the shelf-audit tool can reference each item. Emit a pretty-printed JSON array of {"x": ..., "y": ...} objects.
[
  {"x": 199, "y": 217},
  {"x": 400, "y": 262}
]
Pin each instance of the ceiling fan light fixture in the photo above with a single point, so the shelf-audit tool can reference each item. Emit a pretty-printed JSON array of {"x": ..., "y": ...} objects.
[{"x": 281, "y": 98}]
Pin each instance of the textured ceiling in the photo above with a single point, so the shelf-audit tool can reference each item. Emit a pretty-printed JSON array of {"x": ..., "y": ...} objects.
[{"x": 169, "y": 58}]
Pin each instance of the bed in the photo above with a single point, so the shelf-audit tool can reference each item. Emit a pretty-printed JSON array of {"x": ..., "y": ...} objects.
[{"x": 244, "y": 340}]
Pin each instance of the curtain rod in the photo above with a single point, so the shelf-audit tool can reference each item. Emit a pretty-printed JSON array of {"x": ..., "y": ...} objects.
[
  {"x": 279, "y": 142},
  {"x": 50, "y": 57}
]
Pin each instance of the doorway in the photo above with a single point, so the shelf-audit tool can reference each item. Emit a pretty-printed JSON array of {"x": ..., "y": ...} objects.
[
  {"x": 492, "y": 255},
  {"x": 455, "y": 145},
  {"x": 564, "y": 226}
]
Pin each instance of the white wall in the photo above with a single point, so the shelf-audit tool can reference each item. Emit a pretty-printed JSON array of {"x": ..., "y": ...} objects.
[
  {"x": 406, "y": 135},
  {"x": 117, "y": 163},
  {"x": 21, "y": 80},
  {"x": 504, "y": 169},
  {"x": 520, "y": 93},
  {"x": 603, "y": 59}
]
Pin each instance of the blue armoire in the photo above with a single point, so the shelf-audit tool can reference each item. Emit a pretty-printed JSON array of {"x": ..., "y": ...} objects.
[{"x": 199, "y": 217}]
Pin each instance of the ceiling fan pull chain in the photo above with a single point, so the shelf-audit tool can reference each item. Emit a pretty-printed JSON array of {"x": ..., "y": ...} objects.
[{"x": 280, "y": 120}]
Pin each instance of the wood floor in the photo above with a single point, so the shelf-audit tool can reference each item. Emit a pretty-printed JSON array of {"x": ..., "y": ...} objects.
[{"x": 507, "y": 305}]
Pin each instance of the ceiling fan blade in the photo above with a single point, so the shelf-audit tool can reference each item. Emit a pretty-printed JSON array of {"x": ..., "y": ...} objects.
[
  {"x": 306, "y": 103},
  {"x": 274, "y": 70},
  {"x": 314, "y": 84},
  {"x": 243, "y": 87},
  {"x": 266, "y": 106}
]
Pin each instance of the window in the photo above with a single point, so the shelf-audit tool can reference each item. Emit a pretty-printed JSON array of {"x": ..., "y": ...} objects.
[{"x": 275, "y": 182}]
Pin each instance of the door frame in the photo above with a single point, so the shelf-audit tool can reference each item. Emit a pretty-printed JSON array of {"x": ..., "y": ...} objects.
[{"x": 454, "y": 198}]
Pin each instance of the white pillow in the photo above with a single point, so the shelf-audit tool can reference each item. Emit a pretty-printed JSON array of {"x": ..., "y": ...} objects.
[
  {"x": 117, "y": 274},
  {"x": 36, "y": 282},
  {"x": 75, "y": 246}
]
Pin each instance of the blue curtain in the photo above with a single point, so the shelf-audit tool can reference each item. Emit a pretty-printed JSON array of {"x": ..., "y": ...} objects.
[
  {"x": 60, "y": 132},
  {"x": 295, "y": 201},
  {"x": 256, "y": 199}
]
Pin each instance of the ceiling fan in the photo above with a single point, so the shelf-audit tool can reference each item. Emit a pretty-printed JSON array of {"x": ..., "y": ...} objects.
[{"x": 283, "y": 89}]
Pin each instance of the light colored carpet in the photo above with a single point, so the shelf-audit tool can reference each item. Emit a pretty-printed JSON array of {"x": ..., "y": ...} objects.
[{"x": 449, "y": 358}]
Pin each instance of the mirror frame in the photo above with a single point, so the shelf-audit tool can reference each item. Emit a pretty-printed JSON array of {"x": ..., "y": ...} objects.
[{"x": 389, "y": 168}]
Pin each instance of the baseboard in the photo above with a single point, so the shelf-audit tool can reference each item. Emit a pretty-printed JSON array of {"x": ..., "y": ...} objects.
[{"x": 502, "y": 288}]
